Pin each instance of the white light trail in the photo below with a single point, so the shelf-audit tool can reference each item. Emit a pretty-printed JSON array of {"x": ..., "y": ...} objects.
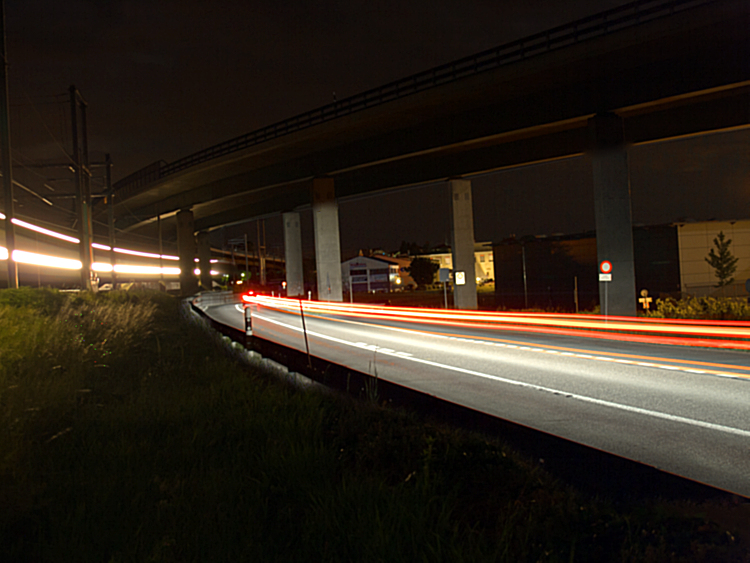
[
  {"x": 44, "y": 231},
  {"x": 23, "y": 257},
  {"x": 133, "y": 269},
  {"x": 523, "y": 384}
]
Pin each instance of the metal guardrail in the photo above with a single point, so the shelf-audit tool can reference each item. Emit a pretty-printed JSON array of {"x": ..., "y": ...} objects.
[
  {"x": 212, "y": 298},
  {"x": 597, "y": 25},
  {"x": 142, "y": 178}
]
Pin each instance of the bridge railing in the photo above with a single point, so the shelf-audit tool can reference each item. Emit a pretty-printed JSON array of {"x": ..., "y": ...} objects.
[
  {"x": 214, "y": 298},
  {"x": 628, "y": 15},
  {"x": 135, "y": 182}
]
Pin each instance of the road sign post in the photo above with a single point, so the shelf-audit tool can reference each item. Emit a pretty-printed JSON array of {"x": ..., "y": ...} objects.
[
  {"x": 605, "y": 275},
  {"x": 444, "y": 274}
]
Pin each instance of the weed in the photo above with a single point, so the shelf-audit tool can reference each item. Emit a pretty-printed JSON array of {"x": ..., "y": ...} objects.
[{"x": 176, "y": 451}]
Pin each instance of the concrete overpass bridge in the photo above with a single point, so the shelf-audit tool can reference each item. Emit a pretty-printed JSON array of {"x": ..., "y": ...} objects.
[{"x": 647, "y": 71}]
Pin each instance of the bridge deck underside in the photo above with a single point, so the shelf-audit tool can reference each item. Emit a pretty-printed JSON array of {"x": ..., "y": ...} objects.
[{"x": 684, "y": 75}]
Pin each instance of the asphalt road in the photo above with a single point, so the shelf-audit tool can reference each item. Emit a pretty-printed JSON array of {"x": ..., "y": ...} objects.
[{"x": 685, "y": 410}]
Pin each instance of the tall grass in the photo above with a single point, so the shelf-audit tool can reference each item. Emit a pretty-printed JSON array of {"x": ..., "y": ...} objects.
[{"x": 129, "y": 433}]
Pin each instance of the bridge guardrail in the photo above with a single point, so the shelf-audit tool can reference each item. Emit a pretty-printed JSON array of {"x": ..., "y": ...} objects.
[
  {"x": 616, "y": 19},
  {"x": 212, "y": 298}
]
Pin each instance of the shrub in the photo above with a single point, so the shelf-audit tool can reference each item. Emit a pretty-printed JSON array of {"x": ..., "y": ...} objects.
[{"x": 707, "y": 308}]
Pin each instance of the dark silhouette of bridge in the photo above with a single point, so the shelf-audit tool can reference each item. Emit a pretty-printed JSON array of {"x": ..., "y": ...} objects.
[{"x": 646, "y": 71}]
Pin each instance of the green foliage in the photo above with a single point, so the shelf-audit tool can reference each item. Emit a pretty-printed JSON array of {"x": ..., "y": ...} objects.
[
  {"x": 411, "y": 248},
  {"x": 422, "y": 270},
  {"x": 722, "y": 260},
  {"x": 45, "y": 301},
  {"x": 708, "y": 308},
  {"x": 178, "y": 451}
]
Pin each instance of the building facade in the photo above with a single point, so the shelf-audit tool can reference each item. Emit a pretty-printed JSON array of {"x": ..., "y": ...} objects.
[
  {"x": 483, "y": 261},
  {"x": 375, "y": 274}
]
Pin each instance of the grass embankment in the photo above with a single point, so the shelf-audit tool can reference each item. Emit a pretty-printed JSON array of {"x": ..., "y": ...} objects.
[{"x": 128, "y": 433}]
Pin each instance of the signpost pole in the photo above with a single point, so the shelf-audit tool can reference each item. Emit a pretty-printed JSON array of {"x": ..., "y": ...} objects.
[
  {"x": 605, "y": 275},
  {"x": 444, "y": 275},
  {"x": 606, "y": 285}
]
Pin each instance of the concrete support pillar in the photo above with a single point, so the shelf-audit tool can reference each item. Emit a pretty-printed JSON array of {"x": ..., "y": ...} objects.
[
  {"x": 204, "y": 260},
  {"x": 327, "y": 243},
  {"x": 464, "y": 295},
  {"x": 614, "y": 225},
  {"x": 295, "y": 282},
  {"x": 186, "y": 251}
]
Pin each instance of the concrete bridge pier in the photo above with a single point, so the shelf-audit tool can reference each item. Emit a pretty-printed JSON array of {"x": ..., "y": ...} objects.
[
  {"x": 186, "y": 251},
  {"x": 295, "y": 283},
  {"x": 327, "y": 243},
  {"x": 464, "y": 295},
  {"x": 614, "y": 225},
  {"x": 204, "y": 260}
]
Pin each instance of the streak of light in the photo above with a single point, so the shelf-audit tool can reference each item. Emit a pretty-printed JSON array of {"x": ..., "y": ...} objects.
[
  {"x": 721, "y": 370},
  {"x": 44, "y": 231},
  {"x": 145, "y": 254},
  {"x": 32, "y": 258},
  {"x": 74, "y": 240},
  {"x": 715, "y": 334},
  {"x": 524, "y": 384},
  {"x": 133, "y": 269},
  {"x": 23, "y": 257}
]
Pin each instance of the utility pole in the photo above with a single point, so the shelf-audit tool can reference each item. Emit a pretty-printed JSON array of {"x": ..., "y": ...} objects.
[
  {"x": 83, "y": 186},
  {"x": 111, "y": 218},
  {"x": 247, "y": 262},
  {"x": 262, "y": 251},
  {"x": 161, "y": 252},
  {"x": 10, "y": 235}
]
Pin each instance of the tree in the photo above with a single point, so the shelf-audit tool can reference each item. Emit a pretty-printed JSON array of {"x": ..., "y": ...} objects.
[
  {"x": 412, "y": 248},
  {"x": 722, "y": 260},
  {"x": 422, "y": 270}
]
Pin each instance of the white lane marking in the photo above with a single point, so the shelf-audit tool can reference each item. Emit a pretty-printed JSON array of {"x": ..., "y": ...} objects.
[
  {"x": 728, "y": 375},
  {"x": 583, "y": 398}
]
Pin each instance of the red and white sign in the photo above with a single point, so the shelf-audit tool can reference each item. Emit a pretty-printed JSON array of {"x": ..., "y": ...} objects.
[{"x": 605, "y": 267}]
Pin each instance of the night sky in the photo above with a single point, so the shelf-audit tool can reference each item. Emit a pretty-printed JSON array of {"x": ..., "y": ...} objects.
[{"x": 167, "y": 78}]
